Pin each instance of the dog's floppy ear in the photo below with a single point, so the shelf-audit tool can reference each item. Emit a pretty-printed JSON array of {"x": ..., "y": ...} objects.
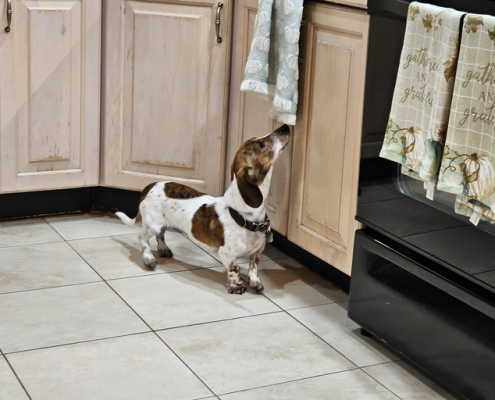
[{"x": 250, "y": 192}]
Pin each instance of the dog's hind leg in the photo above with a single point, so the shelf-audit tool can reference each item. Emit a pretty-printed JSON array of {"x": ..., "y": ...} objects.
[
  {"x": 150, "y": 229},
  {"x": 148, "y": 258},
  {"x": 163, "y": 249},
  {"x": 254, "y": 280}
]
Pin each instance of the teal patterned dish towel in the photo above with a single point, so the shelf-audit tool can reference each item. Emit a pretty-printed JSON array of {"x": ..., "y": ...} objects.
[{"x": 272, "y": 68}]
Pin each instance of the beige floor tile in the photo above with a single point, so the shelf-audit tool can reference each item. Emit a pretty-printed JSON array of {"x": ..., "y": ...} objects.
[
  {"x": 27, "y": 231},
  {"x": 41, "y": 266},
  {"x": 10, "y": 388},
  {"x": 132, "y": 367},
  {"x": 407, "y": 382},
  {"x": 270, "y": 253},
  {"x": 348, "y": 385},
  {"x": 331, "y": 323},
  {"x": 290, "y": 285},
  {"x": 251, "y": 352},
  {"x": 186, "y": 298},
  {"x": 120, "y": 256},
  {"x": 70, "y": 314},
  {"x": 82, "y": 226}
]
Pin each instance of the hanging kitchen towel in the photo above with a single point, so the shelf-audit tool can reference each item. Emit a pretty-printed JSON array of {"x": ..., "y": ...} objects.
[
  {"x": 417, "y": 125},
  {"x": 272, "y": 67},
  {"x": 466, "y": 206},
  {"x": 469, "y": 156}
]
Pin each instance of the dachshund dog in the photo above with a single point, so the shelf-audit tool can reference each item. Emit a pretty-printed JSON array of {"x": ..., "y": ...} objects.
[{"x": 231, "y": 226}]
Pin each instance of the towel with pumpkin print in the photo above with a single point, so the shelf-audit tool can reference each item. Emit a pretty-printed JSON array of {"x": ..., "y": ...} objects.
[
  {"x": 469, "y": 156},
  {"x": 272, "y": 68},
  {"x": 417, "y": 124}
]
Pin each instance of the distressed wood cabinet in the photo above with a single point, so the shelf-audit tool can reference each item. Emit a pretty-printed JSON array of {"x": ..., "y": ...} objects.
[
  {"x": 327, "y": 135},
  {"x": 249, "y": 117},
  {"x": 165, "y": 93},
  {"x": 50, "y": 95}
]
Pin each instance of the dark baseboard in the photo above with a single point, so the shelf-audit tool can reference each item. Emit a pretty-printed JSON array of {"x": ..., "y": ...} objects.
[
  {"x": 312, "y": 262},
  {"x": 101, "y": 200},
  {"x": 104, "y": 200},
  {"x": 49, "y": 202}
]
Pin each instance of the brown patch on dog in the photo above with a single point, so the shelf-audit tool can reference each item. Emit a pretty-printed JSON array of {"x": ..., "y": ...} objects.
[
  {"x": 233, "y": 270},
  {"x": 251, "y": 165},
  {"x": 178, "y": 191},
  {"x": 206, "y": 227}
]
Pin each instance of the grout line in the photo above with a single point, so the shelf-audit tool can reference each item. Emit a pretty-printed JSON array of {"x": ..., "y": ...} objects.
[
  {"x": 318, "y": 336},
  {"x": 15, "y": 374},
  {"x": 50, "y": 287},
  {"x": 57, "y": 232},
  {"x": 381, "y": 384},
  {"x": 215, "y": 321},
  {"x": 158, "y": 273},
  {"x": 141, "y": 318},
  {"x": 31, "y": 244},
  {"x": 75, "y": 343},
  {"x": 318, "y": 305},
  {"x": 290, "y": 381},
  {"x": 100, "y": 237},
  {"x": 106, "y": 236}
]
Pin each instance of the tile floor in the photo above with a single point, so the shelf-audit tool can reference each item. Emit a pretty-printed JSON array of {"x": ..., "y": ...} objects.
[{"x": 82, "y": 318}]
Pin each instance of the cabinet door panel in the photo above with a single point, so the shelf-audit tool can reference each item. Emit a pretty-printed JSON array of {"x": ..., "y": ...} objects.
[
  {"x": 171, "y": 91},
  {"x": 248, "y": 117},
  {"x": 327, "y": 136},
  {"x": 50, "y": 95}
]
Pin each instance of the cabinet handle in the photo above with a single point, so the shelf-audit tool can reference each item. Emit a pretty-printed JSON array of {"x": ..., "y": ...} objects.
[
  {"x": 217, "y": 22},
  {"x": 9, "y": 15}
]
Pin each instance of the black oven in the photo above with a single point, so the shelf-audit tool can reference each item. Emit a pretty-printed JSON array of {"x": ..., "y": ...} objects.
[{"x": 423, "y": 277}]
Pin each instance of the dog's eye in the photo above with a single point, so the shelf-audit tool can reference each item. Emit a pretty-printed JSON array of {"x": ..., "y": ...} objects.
[{"x": 262, "y": 144}]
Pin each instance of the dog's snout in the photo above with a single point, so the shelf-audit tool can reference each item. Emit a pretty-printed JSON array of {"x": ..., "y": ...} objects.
[{"x": 282, "y": 134}]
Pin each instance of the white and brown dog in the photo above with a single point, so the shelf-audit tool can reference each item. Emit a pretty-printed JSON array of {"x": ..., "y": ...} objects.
[{"x": 231, "y": 226}]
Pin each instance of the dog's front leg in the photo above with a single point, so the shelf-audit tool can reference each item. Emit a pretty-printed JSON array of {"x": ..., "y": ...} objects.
[
  {"x": 234, "y": 284},
  {"x": 254, "y": 280}
]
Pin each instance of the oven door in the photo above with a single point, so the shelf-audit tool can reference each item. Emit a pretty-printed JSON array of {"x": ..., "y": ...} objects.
[{"x": 436, "y": 323}]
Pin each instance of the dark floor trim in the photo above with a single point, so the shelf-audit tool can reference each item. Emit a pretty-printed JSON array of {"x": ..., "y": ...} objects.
[
  {"x": 50, "y": 202},
  {"x": 104, "y": 200},
  {"x": 312, "y": 262},
  {"x": 66, "y": 201}
]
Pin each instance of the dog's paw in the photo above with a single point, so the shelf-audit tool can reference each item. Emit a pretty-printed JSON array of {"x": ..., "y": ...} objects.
[
  {"x": 151, "y": 264},
  {"x": 167, "y": 253},
  {"x": 236, "y": 288},
  {"x": 256, "y": 284}
]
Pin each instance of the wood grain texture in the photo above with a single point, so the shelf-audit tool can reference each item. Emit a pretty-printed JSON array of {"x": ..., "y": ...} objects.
[
  {"x": 50, "y": 96},
  {"x": 327, "y": 135},
  {"x": 248, "y": 117},
  {"x": 352, "y": 3},
  {"x": 165, "y": 99}
]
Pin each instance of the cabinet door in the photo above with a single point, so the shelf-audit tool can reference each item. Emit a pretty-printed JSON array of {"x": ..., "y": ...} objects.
[
  {"x": 249, "y": 117},
  {"x": 328, "y": 132},
  {"x": 165, "y": 99},
  {"x": 50, "y": 94}
]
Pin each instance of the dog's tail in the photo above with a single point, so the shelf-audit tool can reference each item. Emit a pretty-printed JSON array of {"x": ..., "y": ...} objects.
[{"x": 126, "y": 220}]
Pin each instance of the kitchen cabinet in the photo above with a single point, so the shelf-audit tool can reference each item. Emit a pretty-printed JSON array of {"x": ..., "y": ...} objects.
[
  {"x": 248, "y": 117},
  {"x": 165, "y": 92},
  {"x": 327, "y": 134},
  {"x": 49, "y": 94}
]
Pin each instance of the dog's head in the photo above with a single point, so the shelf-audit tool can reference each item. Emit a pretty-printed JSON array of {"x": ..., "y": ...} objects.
[{"x": 253, "y": 161}]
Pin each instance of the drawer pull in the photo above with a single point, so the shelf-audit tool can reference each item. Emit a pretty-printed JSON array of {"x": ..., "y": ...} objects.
[
  {"x": 9, "y": 15},
  {"x": 217, "y": 22}
]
